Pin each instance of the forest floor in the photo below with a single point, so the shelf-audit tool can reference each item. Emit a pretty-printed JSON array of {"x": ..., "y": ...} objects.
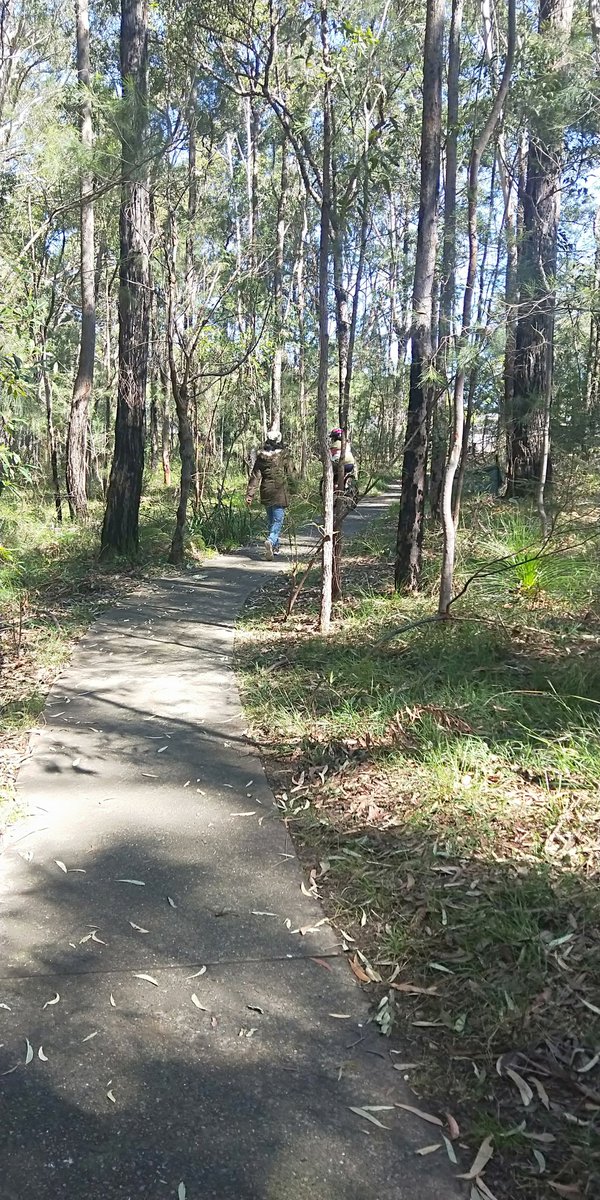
[{"x": 442, "y": 789}]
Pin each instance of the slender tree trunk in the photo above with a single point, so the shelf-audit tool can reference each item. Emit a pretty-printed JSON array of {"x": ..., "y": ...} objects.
[
  {"x": 341, "y": 508},
  {"x": 186, "y": 450},
  {"x": 342, "y": 317},
  {"x": 82, "y": 391},
  {"x": 179, "y": 388},
  {"x": 108, "y": 379},
  {"x": 278, "y": 306},
  {"x": 509, "y": 193},
  {"x": 410, "y": 525},
  {"x": 322, "y": 385},
  {"x": 484, "y": 305},
  {"x": 448, "y": 281},
  {"x": 120, "y": 531},
  {"x": 538, "y": 260},
  {"x": 46, "y": 382},
  {"x": 592, "y": 391},
  {"x": 192, "y": 212},
  {"x": 252, "y": 174},
  {"x": 479, "y": 148},
  {"x": 153, "y": 420},
  {"x": 439, "y": 428},
  {"x": 165, "y": 437},
  {"x": 302, "y": 403}
]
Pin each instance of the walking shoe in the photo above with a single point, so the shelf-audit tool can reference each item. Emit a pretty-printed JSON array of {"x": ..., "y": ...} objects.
[
  {"x": 268, "y": 550},
  {"x": 276, "y": 549}
]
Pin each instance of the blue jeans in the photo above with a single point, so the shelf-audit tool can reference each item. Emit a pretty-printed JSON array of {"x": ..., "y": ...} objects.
[{"x": 275, "y": 517}]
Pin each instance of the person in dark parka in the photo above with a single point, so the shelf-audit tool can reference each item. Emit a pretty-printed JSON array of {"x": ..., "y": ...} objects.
[{"x": 273, "y": 470}]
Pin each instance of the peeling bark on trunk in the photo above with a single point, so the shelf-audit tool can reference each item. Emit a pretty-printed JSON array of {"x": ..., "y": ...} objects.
[
  {"x": 410, "y": 525},
  {"x": 120, "y": 531},
  {"x": 534, "y": 351},
  {"x": 76, "y": 464}
]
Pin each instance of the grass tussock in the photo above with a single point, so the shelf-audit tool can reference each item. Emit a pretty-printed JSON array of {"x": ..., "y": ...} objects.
[{"x": 442, "y": 786}]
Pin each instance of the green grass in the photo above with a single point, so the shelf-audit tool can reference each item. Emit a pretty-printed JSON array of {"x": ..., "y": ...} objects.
[
  {"x": 51, "y": 585},
  {"x": 448, "y": 779}
]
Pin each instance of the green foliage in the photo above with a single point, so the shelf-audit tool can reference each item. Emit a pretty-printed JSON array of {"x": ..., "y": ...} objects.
[{"x": 226, "y": 526}]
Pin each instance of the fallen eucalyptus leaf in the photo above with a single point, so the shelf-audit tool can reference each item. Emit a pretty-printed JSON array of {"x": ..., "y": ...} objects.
[
  {"x": 196, "y": 1001},
  {"x": 112, "y": 1001},
  {"x": 592, "y": 1008},
  {"x": 524, "y": 1088},
  {"x": 10, "y": 1070},
  {"x": 202, "y": 971},
  {"x": 541, "y": 1091},
  {"x": 136, "y": 882},
  {"x": 413, "y": 989},
  {"x": 90, "y": 1036},
  {"x": 41, "y": 1054},
  {"x": 111, "y": 1097},
  {"x": 481, "y": 1191},
  {"x": 429, "y": 1149},
  {"x": 138, "y": 927},
  {"x": 304, "y": 929},
  {"x": 481, "y": 1160},
  {"x": 148, "y": 978},
  {"x": 28, "y": 1052},
  {"x": 367, "y": 1116},
  {"x": 450, "y": 1150},
  {"x": 589, "y": 1065},
  {"x": 61, "y": 865},
  {"x": 171, "y": 902},
  {"x": 181, "y": 1192},
  {"x": 418, "y": 1112},
  {"x": 540, "y": 1160},
  {"x": 357, "y": 970},
  {"x": 49, "y": 1003}
]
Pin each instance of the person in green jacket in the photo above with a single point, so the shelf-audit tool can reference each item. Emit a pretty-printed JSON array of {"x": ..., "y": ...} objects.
[{"x": 273, "y": 470}]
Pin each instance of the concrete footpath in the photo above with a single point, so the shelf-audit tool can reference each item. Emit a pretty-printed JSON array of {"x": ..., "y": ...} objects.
[{"x": 176, "y": 1018}]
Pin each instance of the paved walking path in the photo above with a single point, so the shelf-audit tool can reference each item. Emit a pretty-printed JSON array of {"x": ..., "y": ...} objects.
[{"x": 167, "y": 989}]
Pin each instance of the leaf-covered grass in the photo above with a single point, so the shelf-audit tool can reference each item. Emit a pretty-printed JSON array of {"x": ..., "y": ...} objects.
[{"x": 443, "y": 784}]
